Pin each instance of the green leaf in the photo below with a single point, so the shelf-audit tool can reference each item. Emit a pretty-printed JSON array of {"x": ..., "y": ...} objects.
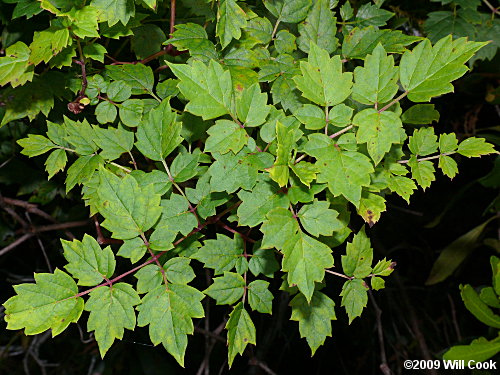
[
  {"x": 362, "y": 41},
  {"x": 118, "y": 91},
  {"x": 354, "y": 297},
  {"x": 227, "y": 289},
  {"x": 113, "y": 141},
  {"x": 82, "y": 170},
  {"x": 312, "y": 116},
  {"x": 35, "y": 145},
  {"x": 128, "y": 210},
  {"x": 230, "y": 172},
  {"x": 489, "y": 297},
  {"x": 148, "y": 278},
  {"x": 278, "y": 228},
  {"x": 379, "y": 130},
  {"x": 47, "y": 304},
  {"x": 322, "y": 80},
  {"x": 376, "y": 82},
  {"x": 169, "y": 314},
  {"x": 423, "y": 142},
  {"x": 427, "y": 71},
  {"x": 383, "y": 267},
  {"x": 263, "y": 261},
  {"x": 475, "y": 147},
  {"x": 279, "y": 172},
  {"x": 208, "y": 89},
  {"x": 176, "y": 215},
  {"x": 111, "y": 310},
  {"x": 420, "y": 114},
  {"x": 305, "y": 171},
  {"x": 377, "y": 283},
  {"x": 14, "y": 66},
  {"x": 178, "y": 270},
  {"x": 226, "y": 136},
  {"x": 422, "y": 172},
  {"x": 371, "y": 15},
  {"x": 257, "y": 203},
  {"x": 194, "y": 38},
  {"x": 291, "y": 11},
  {"x": 314, "y": 318},
  {"x": 205, "y": 200},
  {"x": 252, "y": 106},
  {"x": 371, "y": 207},
  {"x": 147, "y": 40},
  {"x": 346, "y": 172},
  {"x": 403, "y": 186},
  {"x": 114, "y": 10},
  {"x": 284, "y": 42},
  {"x": 222, "y": 254},
  {"x": 318, "y": 28},
  {"x": 160, "y": 134},
  {"x": 359, "y": 255},
  {"x": 240, "y": 332},
  {"x": 87, "y": 262},
  {"x": 55, "y": 162},
  {"x": 455, "y": 253},
  {"x": 318, "y": 219},
  {"x": 442, "y": 23},
  {"x": 160, "y": 181},
  {"x": 134, "y": 249},
  {"x": 448, "y": 166},
  {"x": 138, "y": 76},
  {"x": 230, "y": 20},
  {"x": 448, "y": 143},
  {"x": 478, "y": 350},
  {"x": 95, "y": 52},
  {"x": 48, "y": 43},
  {"x": 478, "y": 308},
  {"x": 259, "y": 296},
  {"x": 81, "y": 136},
  {"x": 305, "y": 260}
]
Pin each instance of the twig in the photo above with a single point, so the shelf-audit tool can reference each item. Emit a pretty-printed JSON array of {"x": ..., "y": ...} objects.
[
  {"x": 378, "y": 314},
  {"x": 347, "y": 128},
  {"x": 339, "y": 275},
  {"x": 492, "y": 8},
  {"x": 228, "y": 228},
  {"x": 428, "y": 157},
  {"x": 69, "y": 224},
  {"x": 75, "y": 106},
  {"x": 16, "y": 243},
  {"x": 387, "y": 106}
]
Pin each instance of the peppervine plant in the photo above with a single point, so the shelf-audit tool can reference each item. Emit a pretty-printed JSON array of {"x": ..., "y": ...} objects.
[{"x": 243, "y": 138}]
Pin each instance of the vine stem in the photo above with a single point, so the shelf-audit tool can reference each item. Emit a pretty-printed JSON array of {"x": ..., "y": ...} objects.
[
  {"x": 387, "y": 106},
  {"x": 157, "y": 256},
  {"x": 346, "y": 129},
  {"x": 492, "y": 8},
  {"x": 339, "y": 274},
  {"x": 327, "y": 120},
  {"x": 428, "y": 157}
]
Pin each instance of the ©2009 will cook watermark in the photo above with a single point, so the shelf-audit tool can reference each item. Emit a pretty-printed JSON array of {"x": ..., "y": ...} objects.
[{"x": 459, "y": 364}]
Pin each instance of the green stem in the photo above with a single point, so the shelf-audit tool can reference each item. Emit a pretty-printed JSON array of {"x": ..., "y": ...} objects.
[
  {"x": 428, "y": 157},
  {"x": 387, "y": 106}
]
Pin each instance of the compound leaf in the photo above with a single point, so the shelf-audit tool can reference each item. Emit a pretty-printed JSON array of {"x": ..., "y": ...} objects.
[
  {"x": 240, "y": 332},
  {"x": 427, "y": 71},
  {"x": 314, "y": 318},
  {"x": 354, "y": 297},
  {"x": 169, "y": 313},
  {"x": 305, "y": 260},
  {"x": 208, "y": 89},
  {"x": 87, "y": 262},
  {"x": 158, "y": 136},
  {"x": 128, "y": 209},
  {"x": 47, "y": 304},
  {"x": 322, "y": 80},
  {"x": 111, "y": 311}
]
